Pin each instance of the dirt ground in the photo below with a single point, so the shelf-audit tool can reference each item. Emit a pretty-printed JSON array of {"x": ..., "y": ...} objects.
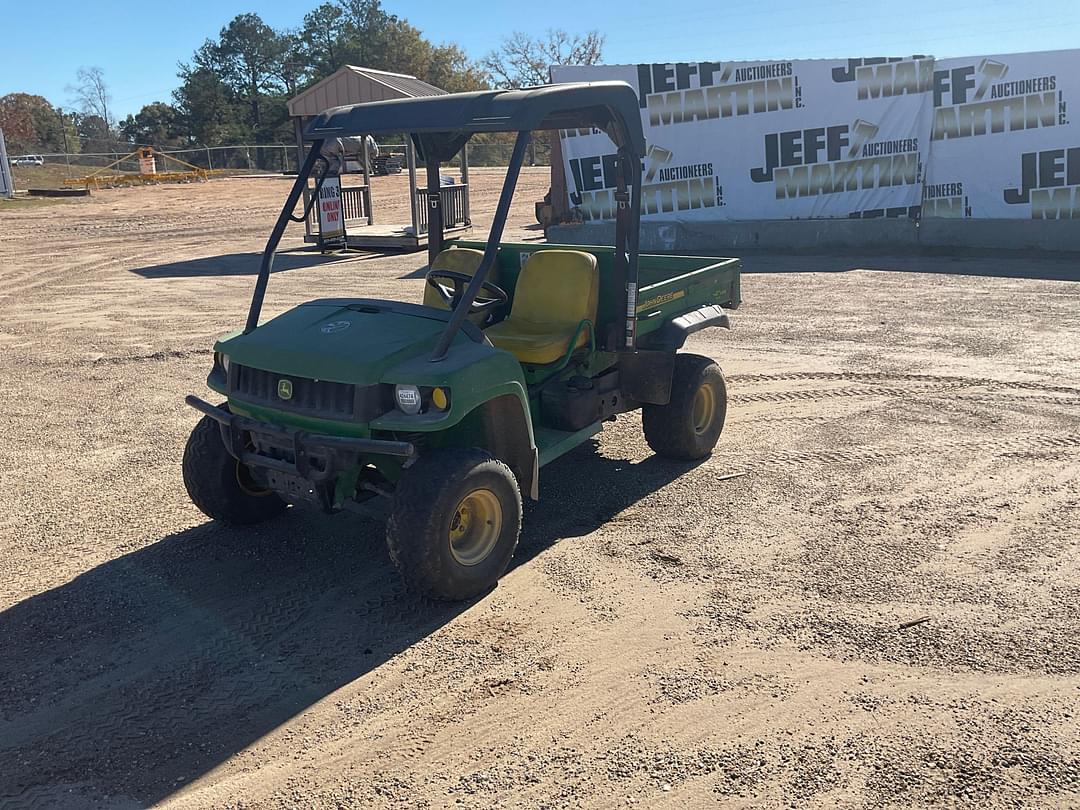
[{"x": 668, "y": 636}]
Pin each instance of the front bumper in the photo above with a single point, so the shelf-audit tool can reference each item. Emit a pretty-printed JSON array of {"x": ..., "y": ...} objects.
[{"x": 318, "y": 458}]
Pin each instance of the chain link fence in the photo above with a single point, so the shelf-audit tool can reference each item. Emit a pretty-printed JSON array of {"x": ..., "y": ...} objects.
[
  {"x": 48, "y": 168},
  {"x": 243, "y": 158}
]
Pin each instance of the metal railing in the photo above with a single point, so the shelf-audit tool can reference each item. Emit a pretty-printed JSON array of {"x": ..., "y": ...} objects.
[
  {"x": 355, "y": 204},
  {"x": 454, "y": 206}
]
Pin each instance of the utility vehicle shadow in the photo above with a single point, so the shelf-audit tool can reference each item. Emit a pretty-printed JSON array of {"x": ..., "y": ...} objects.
[
  {"x": 141, "y": 675},
  {"x": 419, "y": 272},
  {"x": 246, "y": 264},
  {"x": 583, "y": 490},
  {"x": 145, "y": 672}
]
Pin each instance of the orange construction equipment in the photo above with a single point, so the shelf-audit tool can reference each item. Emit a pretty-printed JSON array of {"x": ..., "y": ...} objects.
[{"x": 147, "y": 157}]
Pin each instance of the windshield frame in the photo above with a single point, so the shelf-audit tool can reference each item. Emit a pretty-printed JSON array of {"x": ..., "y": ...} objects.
[{"x": 627, "y": 195}]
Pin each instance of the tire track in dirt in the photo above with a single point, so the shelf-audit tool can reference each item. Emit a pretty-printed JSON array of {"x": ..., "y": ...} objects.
[
  {"x": 37, "y": 277},
  {"x": 756, "y": 419},
  {"x": 804, "y": 396},
  {"x": 80, "y": 238},
  {"x": 840, "y": 376},
  {"x": 1007, "y": 446},
  {"x": 124, "y": 360},
  {"x": 86, "y": 272},
  {"x": 989, "y": 398},
  {"x": 886, "y": 391}
]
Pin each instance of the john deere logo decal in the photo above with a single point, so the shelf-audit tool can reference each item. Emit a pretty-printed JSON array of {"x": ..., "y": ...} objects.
[{"x": 284, "y": 389}]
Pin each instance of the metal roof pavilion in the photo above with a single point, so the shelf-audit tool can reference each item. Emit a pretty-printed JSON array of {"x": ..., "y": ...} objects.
[
  {"x": 358, "y": 85},
  {"x": 609, "y": 106},
  {"x": 346, "y": 87}
]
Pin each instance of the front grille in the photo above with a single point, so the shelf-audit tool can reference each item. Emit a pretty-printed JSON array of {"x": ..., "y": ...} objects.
[{"x": 331, "y": 400}]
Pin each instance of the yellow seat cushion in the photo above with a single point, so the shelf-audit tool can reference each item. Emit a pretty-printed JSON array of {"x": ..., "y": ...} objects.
[{"x": 555, "y": 292}]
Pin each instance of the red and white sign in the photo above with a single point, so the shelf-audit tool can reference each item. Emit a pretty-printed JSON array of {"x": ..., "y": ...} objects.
[{"x": 331, "y": 215}]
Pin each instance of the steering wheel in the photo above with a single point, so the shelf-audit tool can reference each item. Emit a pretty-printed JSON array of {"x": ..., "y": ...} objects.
[{"x": 453, "y": 293}]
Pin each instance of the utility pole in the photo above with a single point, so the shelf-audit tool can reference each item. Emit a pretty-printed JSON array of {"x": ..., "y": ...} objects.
[
  {"x": 7, "y": 182},
  {"x": 63, "y": 129}
]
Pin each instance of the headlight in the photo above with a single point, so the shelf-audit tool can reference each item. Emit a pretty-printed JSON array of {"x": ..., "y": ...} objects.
[
  {"x": 413, "y": 399},
  {"x": 218, "y": 378},
  {"x": 408, "y": 398}
]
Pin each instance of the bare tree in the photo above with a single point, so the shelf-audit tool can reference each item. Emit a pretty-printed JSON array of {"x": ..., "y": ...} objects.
[
  {"x": 523, "y": 61},
  {"x": 92, "y": 94}
]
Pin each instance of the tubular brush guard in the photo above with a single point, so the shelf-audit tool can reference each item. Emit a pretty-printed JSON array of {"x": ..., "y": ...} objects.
[{"x": 336, "y": 453}]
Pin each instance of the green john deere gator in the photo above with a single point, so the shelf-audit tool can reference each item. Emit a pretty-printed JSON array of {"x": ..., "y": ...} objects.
[{"x": 451, "y": 407}]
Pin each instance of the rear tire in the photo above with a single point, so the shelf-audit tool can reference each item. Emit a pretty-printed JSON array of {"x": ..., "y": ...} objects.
[
  {"x": 220, "y": 485},
  {"x": 454, "y": 523},
  {"x": 688, "y": 427}
]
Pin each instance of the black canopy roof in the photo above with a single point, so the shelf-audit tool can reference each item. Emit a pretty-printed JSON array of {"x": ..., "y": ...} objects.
[{"x": 446, "y": 122}]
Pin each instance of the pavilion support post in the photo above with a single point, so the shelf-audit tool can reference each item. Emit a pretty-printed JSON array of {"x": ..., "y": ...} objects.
[
  {"x": 560, "y": 199},
  {"x": 434, "y": 208},
  {"x": 410, "y": 160},
  {"x": 465, "y": 180},
  {"x": 367, "y": 182}
]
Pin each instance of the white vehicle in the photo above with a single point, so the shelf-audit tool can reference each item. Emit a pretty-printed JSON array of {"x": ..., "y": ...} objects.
[{"x": 28, "y": 160}]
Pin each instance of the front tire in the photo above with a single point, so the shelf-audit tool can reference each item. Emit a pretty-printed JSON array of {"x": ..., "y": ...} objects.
[
  {"x": 220, "y": 485},
  {"x": 689, "y": 426},
  {"x": 454, "y": 523}
]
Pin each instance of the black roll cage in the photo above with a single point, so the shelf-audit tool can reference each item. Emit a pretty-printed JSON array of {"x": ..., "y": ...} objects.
[{"x": 440, "y": 126}]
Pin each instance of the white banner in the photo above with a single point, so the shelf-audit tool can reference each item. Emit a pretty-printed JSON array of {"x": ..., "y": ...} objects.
[
  {"x": 1004, "y": 145},
  {"x": 7, "y": 183},
  {"x": 764, "y": 140},
  {"x": 331, "y": 216}
]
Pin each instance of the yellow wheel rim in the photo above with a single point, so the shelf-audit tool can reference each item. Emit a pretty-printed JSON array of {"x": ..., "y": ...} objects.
[
  {"x": 475, "y": 527},
  {"x": 704, "y": 411}
]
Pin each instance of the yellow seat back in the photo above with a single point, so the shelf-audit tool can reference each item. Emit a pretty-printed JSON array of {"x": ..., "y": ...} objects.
[
  {"x": 555, "y": 292},
  {"x": 557, "y": 289},
  {"x": 460, "y": 260}
]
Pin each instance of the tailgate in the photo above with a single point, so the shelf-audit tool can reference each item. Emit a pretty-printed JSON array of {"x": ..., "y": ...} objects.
[{"x": 674, "y": 285}]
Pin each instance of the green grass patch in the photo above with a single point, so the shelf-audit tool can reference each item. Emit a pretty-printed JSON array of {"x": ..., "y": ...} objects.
[
  {"x": 23, "y": 203},
  {"x": 51, "y": 175}
]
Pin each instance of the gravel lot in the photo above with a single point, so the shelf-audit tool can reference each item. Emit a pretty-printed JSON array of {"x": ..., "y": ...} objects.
[{"x": 668, "y": 636}]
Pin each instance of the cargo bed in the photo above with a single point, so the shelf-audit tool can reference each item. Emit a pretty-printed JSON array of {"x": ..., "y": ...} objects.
[{"x": 669, "y": 285}]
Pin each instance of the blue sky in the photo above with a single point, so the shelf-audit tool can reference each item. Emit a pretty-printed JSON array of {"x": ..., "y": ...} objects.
[{"x": 42, "y": 47}]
